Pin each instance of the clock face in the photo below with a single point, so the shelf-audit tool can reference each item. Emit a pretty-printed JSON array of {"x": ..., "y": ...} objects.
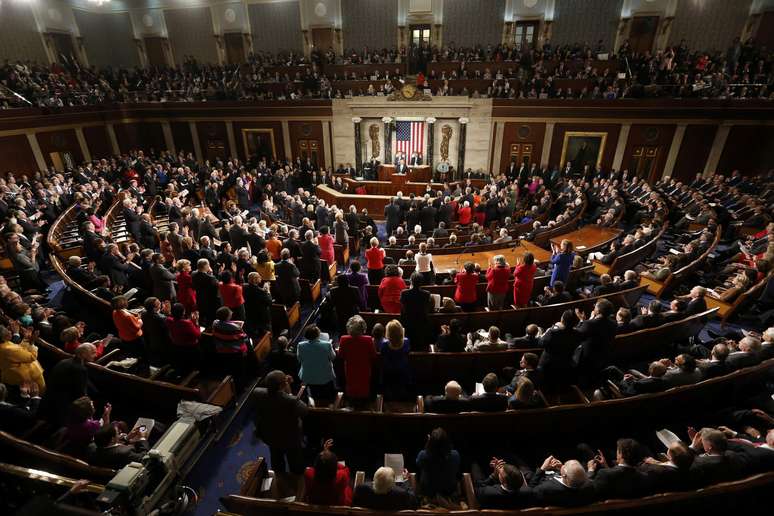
[{"x": 408, "y": 91}]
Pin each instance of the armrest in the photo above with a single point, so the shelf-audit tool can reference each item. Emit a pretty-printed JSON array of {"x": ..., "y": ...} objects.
[
  {"x": 614, "y": 389},
  {"x": 223, "y": 394},
  {"x": 413, "y": 481},
  {"x": 188, "y": 380},
  {"x": 301, "y": 391},
  {"x": 380, "y": 403},
  {"x": 108, "y": 357},
  {"x": 339, "y": 401},
  {"x": 470, "y": 493},
  {"x": 579, "y": 393},
  {"x": 433, "y": 348},
  {"x": 420, "y": 409},
  {"x": 359, "y": 478},
  {"x": 301, "y": 489},
  {"x": 543, "y": 398}
]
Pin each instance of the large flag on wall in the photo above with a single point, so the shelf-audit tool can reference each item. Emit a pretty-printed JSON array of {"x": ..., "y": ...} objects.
[{"x": 410, "y": 137}]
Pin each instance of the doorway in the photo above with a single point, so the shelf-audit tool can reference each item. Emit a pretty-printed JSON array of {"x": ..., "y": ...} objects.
[
  {"x": 643, "y": 162},
  {"x": 525, "y": 35},
  {"x": 419, "y": 48},
  {"x": 63, "y": 45},
  {"x": 235, "y": 47},
  {"x": 643, "y": 33},
  {"x": 522, "y": 152},
  {"x": 154, "y": 51},
  {"x": 322, "y": 39}
]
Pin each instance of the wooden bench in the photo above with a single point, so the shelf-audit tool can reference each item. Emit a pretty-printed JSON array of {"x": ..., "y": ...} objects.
[
  {"x": 662, "y": 288},
  {"x": 727, "y": 310},
  {"x": 628, "y": 260},
  {"x": 284, "y": 318},
  {"x": 24, "y": 453},
  {"x": 516, "y": 321},
  {"x": 565, "y": 420},
  {"x": 124, "y": 389},
  {"x": 749, "y": 491}
]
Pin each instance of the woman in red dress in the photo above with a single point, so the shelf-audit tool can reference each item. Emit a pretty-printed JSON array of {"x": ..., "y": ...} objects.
[
  {"x": 358, "y": 352},
  {"x": 523, "y": 278},
  {"x": 325, "y": 241},
  {"x": 390, "y": 288},
  {"x": 466, "y": 214},
  {"x": 466, "y": 294},
  {"x": 327, "y": 482},
  {"x": 186, "y": 295}
]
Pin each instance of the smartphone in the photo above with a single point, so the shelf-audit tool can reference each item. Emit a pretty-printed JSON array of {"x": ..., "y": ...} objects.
[{"x": 142, "y": 428}]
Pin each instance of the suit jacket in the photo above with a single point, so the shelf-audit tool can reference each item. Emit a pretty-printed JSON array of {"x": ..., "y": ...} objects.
[
  {"x": 696, "y": 306},
  {"x": 548, "y": 491},
  {"x": 415, "y": 160},
  {"x": 666, "y": 478},
  {"x": 415, "y": 304},
  {"x": 207, "y": 294},
  {"x": 619, "y": 482},
  {"x": 712, "y": 469},
  {"x": 597, "y": 337},
  {"x": 278, "y": 418},
  {"x": 163, "y": 286},
  {"x": 392, "y": 214},
  {"x": 741, "y": 359},
  {"x": 488, "y": 402},
  {"x": 147, "y": 235},
  {"x": 237, "y": 236},
  {"x": 643, "y": 386},
  {"x": 491, "y": 495},
  {"x": 119, "y": 455},
  {"x": 67, "y": 381},
  {"x": 287, "y": 281},
  {"x": 442, "y": 405},
  {"x": 647, "y": 321},
  {"x": 397, "y": 499}
]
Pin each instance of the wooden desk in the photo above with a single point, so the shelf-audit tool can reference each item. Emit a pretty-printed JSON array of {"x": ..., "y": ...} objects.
[
  {"x": 589, "y": 238},
  {"x": 417, "y": 173},
  {"x": 513, "y": 256}
]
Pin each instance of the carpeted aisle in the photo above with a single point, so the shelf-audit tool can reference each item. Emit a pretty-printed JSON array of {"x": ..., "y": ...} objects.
[{"x": 226, "y": 464}]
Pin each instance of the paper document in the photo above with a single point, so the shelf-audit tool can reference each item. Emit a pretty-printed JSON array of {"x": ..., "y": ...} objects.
[
  {"x": 395, "y": 461},
  {"x": 266, "y": 484},
  {"x": 146, "y": 422},
  {"x": 667, "y": 437},
  {"x": 479, "y": 388},
  {"x": 580, "y": 247}
]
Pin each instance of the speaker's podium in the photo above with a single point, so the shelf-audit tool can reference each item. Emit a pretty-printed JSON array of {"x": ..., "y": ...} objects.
[{"x": 416, "y": 173}]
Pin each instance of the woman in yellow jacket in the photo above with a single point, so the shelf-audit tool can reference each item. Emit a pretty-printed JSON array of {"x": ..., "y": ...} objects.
[{"x": 19, "y": 362}]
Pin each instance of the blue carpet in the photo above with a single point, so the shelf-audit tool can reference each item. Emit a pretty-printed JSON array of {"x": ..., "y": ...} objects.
[{"x": 225, "y": 465}]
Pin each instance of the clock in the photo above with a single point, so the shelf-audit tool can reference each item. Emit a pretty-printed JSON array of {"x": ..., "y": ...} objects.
[{"x": 408, "y": 91}]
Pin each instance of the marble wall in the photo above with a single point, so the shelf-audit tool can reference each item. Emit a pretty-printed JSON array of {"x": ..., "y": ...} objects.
[{"x": 446, "y": 110}]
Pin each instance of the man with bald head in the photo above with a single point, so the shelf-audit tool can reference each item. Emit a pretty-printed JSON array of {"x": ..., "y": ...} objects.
[
  {"x": 68, "y": 381},
  {"x": 561, "y": 484},
  {"x": 452, "y": 402}
]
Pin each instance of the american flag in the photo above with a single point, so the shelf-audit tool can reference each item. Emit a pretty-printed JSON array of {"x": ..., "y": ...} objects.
[{"x": 409, "y": 137}]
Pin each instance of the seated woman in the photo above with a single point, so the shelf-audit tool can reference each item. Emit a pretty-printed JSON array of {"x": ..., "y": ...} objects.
[
  {"x": 82, "y": 426},
  {"x": 739, "y": 284},
  {"x": 396, "y": 371},
  {"x": 71, "y": 336},
  {"x": 448, "y": 306},
  {"x": 327, "y": 482},
  {"x": 525, "y": 395},
  {"x": 438, "y": 468}
]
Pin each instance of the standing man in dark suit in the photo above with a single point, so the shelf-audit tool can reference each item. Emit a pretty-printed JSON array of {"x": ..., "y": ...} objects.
[
  {"x": 68, "y": 381},
  {"x": 416, "y": 159},
  {"x": 278, "y": 421},
  {"x": 288, "y": 287},
  {"x": 207, "y": 295},
  {"x": 596, "y": 339},
  {"x": 513, "y": 170},
  {"x": 402, "y": 168},
  {"x": 310, "y": 254},
  {"x": 416, "y": 305},
  {"x": 392, "y": 216},
  {"x": 162, "y": 279},
  {"x": 427, "y": 218}
]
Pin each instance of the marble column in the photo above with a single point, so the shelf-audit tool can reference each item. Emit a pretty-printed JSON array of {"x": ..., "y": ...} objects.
[
  {"x": 461, "y": 149},
  {"x": 358, "y": 145},
  {"x": 387, "y": 139},
  {"x": 430, "y": 142}
]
